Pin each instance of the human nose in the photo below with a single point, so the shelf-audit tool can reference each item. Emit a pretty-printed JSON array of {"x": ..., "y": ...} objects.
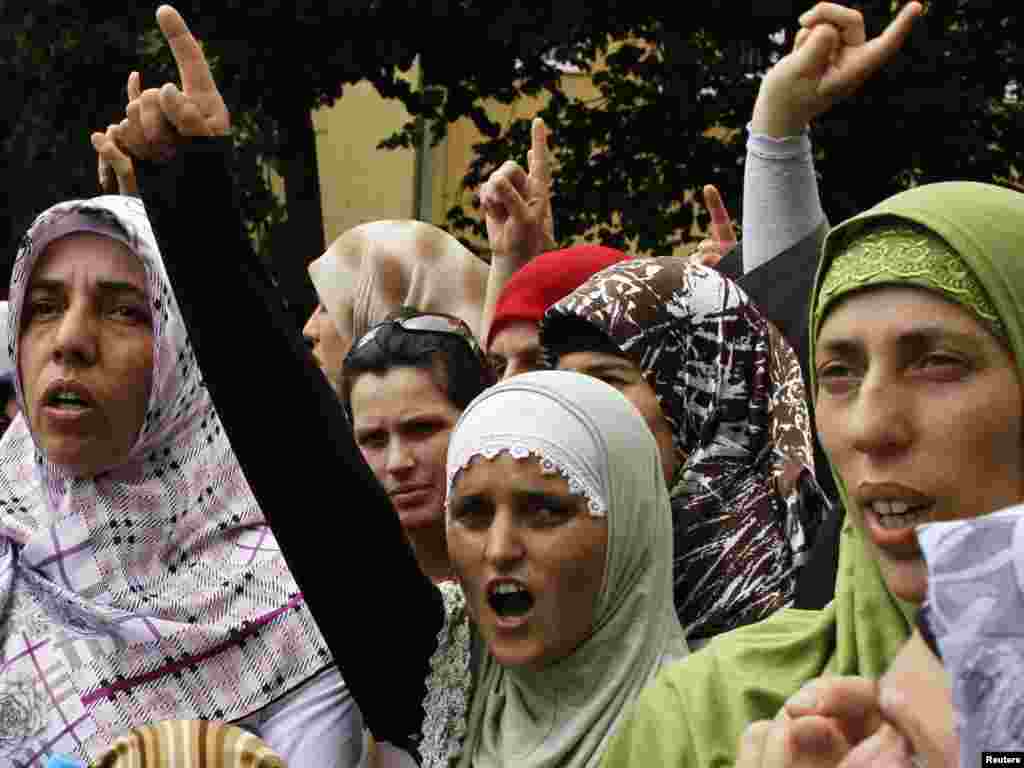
[
  {"x": 503, "y": 545},
  {"x": 310, "y": 330},
  {"x": 75, "y": 341},
  {"x": 400, "y": 457},
  {"x": 880, "y": 419}
]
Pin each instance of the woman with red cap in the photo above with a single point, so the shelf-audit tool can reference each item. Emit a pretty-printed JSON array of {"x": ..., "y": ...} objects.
[
  {"x": 513, "y": 340},
  {"x": 524, "y": 280}
]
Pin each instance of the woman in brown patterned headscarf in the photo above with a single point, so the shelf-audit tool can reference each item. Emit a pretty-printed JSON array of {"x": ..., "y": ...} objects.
[{"x": 731, "y": 418}]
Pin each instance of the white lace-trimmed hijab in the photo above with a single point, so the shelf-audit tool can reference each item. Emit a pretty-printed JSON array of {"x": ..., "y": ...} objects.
[
  {"x": 151, "y": 591},
  {"x": 589, "y": 433}
]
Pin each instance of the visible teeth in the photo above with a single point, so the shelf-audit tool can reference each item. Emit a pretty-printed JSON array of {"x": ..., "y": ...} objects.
[
  {"x": 67, "y": 398},
  {"x": 884, "y": 508},
  {"x": 898, "y": 514},
  {"x": 507, "y": 589}
]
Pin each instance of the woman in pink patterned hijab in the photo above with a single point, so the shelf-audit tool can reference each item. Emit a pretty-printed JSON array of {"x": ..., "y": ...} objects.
[{"x": 138, "y": 578}]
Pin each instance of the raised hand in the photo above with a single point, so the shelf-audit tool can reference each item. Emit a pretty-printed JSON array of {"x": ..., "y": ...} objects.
[
  {"x": 723, "y": 236},
  {"x": 157, "y": 119},
  {"x": 517, "y": 204},
  {"x": 115, "y": 169},
  {"x": 831, "y": 59}
]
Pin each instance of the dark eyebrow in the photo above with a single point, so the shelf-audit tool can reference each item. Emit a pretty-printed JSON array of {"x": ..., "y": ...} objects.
[
  {"x": 597, "y": 369},
  {"x": 921, "y": 336},
  {"x": 102, "y": 286}
]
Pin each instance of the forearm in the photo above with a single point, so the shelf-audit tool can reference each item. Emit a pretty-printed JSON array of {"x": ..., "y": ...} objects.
[
  {"x": 781, "y": 203},
  {"x": 298, "y": 455},
  {"x": 501, "y": 271}
]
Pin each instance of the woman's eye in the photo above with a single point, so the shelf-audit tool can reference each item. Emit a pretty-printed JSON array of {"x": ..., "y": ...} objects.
[
  {"x": 473, "y": 516},
  {"x": 370, "y": 441},
  {"x": 549, "y": 514},
  {"x": 42, "y": 307},
  {"x": 131, "y": 312},
  {"x": 944, "y": 367},
  {"x": 836, "y": 378}
]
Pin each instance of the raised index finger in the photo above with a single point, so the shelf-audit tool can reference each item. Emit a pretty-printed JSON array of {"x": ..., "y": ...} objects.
[
  {"x": 539, "y": 162},
  {"x": 721, "y": 225},
  {"x": 192, "y": 65},
  {"x": 891, "y": 40}
]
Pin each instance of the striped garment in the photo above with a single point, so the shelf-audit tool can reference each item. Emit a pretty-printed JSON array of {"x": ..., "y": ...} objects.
[{"x": 188, "y": 743}]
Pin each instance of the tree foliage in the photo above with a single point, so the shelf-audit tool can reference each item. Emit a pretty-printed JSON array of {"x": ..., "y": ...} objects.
[
  {"x": 677, "y": 90},
  {"x": 626, "y": 159}
]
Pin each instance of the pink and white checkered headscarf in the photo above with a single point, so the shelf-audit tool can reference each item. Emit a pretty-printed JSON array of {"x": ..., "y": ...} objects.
[{"x": 154, "y": 590}]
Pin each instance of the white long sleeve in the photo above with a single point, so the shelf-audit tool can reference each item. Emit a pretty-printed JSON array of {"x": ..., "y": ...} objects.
[{"x": 781, "y": 204}]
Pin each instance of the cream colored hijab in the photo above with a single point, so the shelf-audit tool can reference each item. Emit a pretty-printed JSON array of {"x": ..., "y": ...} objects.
[
  {"x": 565, "y": 714},
  {"x": 375, "y": 268}
]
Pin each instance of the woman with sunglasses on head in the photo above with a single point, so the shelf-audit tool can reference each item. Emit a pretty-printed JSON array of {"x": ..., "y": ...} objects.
[
  {"x": 559, "y": 537},
  {"x": 373, "y": 269},
  {"x": 404, "y": 385}
]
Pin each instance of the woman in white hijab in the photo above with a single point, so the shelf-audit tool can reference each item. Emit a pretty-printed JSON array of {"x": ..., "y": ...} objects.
[
  {"x": 559, "y": 530},
  {"x": 559, "y": 523}
]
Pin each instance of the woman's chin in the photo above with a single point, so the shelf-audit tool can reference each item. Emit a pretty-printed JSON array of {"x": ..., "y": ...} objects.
[{"x": 906, "y": 579}]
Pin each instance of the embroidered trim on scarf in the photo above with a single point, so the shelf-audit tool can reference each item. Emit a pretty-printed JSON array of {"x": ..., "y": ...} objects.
[
  {"x": 449, "y": 684},
  {"x": 578, "y": 485},
  {"x": 904, "y": 253}
]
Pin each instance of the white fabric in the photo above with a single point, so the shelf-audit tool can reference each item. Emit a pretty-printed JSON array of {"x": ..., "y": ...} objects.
[
  {"x": 565, "y": 714},
  {"x": 6, "y": 361},
  {"x": 781, "y": 205},
  {"x": 976, "y": 613},
  {"x": 318, "y": 724}
]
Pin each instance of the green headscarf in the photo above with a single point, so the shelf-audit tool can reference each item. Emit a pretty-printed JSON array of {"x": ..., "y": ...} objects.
[{"x": 695, "y": 711}]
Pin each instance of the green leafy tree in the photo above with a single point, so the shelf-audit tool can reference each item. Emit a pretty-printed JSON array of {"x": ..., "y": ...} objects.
[{"x": 677, "y": 91}]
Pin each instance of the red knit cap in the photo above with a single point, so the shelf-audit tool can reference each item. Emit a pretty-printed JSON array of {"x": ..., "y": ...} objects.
[{"x": 548, "y": 278}]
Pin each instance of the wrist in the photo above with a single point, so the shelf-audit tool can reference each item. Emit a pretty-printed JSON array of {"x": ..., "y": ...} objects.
[
  {"x": 774, "y": 113},
  {"x": 513, "y": 258}
]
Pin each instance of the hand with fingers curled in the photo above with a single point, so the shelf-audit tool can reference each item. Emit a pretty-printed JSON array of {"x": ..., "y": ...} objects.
[
  {"x": 806, "y": 742},
  {"x": 115, "y": 168},
  {"x": 710, "y": 250},
  {"x": 517, "y": 203},
  {"x": 854, "y": 722},
  {"x": 831, "y": 59},
  {"x": 158, "y": 119}
]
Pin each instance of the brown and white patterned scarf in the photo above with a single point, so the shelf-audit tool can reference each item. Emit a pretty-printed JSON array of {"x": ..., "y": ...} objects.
[{"x": 745, "y": 504}]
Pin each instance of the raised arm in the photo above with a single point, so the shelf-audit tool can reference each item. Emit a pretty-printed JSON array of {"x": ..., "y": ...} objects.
[
  {"x": 831, "y": 60},
  {"x": 114, "y": 167},
  {"x": 517, "y": 210},
  {"x": 331, "y": 517},
  {"x": 719, "y": 249}
]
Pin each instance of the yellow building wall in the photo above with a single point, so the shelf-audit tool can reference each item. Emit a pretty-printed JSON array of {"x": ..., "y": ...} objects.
[
  {"x": 361, "y": 183},
  {"x": 358, "y": 182}
]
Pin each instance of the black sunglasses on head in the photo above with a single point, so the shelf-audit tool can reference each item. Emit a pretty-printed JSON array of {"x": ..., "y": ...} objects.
[{"x": 424, "y": 322}]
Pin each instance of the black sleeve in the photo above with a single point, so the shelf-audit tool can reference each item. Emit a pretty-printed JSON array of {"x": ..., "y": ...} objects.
[
  {"x": 333, "y": 521},
  {"x": 731, "y": 265},
  {"x": 782, "y": 289}
]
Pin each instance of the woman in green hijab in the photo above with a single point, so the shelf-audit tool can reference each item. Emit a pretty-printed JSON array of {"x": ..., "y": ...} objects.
[{"x": 917, "y": 338}]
